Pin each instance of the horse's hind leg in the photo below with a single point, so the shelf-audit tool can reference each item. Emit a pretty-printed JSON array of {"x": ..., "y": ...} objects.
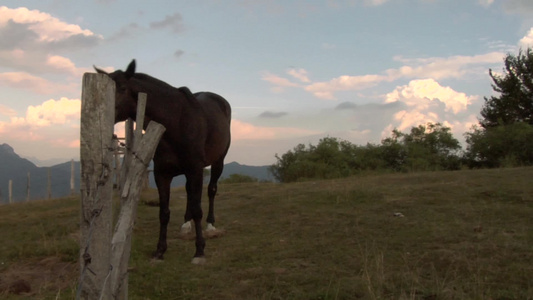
[
  {"x": 216, "y": 171},
  {"x": 194, "y": 198},
  {"x": 163, "y": 187}
]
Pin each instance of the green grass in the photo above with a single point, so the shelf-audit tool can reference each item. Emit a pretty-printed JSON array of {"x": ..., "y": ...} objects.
[{"x": 464, "y": 235}]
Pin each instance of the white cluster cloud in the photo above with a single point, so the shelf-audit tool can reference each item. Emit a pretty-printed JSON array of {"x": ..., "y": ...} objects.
[
  {"x": 47, "y": 28},
  {"x": 527, "y": 41},
  {"x": 30, "y": 39},
  {"x": 427, "y": 101},
  {"x": 51, "y": 112}
]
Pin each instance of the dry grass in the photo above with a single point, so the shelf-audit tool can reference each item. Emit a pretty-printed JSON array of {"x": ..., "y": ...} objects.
[{"x": 463, "y": 235}]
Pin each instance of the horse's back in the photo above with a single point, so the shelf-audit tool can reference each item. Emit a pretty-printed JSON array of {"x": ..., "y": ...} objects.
[{"x": 214, "y": 104}]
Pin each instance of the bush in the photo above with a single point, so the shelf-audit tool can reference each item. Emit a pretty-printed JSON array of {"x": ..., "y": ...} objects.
[{"x": 238, "y": 178}]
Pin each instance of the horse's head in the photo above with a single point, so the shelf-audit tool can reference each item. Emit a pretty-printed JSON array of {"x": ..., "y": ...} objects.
[{"x": 125, "y": 97}]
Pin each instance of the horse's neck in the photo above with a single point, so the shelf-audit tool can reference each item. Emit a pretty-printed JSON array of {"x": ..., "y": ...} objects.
[{"x": 165, "y": 105}]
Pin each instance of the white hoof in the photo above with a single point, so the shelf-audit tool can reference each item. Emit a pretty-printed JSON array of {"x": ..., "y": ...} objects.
[
  {"x": 210, "y": 227},
  {"x": 186, "y": 228},
  {"x": 198, "y": 261}
]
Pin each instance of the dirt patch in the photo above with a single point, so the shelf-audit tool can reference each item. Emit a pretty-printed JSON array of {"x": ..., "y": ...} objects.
[{"x": 33, "y": 277}]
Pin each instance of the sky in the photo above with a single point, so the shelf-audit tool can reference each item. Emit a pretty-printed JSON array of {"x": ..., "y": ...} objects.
[{"x": 293, "y": 71}]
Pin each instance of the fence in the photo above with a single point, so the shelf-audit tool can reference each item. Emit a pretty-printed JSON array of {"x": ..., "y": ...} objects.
[
  {"x": 41, "y": 183},
  {"x": 104, "y": 256}
]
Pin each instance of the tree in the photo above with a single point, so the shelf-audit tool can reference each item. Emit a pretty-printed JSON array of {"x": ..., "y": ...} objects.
[
  {"x": 331, "y": 158},
  {"x": 502, "y": 146},
  {"x": 427, "y": 147},
  {"x": 515, "y": 86}
]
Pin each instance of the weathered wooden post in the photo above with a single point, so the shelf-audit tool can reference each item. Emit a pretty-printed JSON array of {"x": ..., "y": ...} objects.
[
  {"x": 10, "y": 190},
  {"x": 72, "y": 177},
  {"x": 144, "y": 150},
  {"x": 97, "y": 119}
]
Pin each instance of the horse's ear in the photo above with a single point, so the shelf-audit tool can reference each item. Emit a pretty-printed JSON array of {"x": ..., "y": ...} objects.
[
  {"x": 131, "y": 69},
  {"x": 100, "y": 70}
]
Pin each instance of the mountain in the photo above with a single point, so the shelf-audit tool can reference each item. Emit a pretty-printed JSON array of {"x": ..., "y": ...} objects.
[
  {"x": 259, "y": 172},
  {"x": 15, "y": 168}
]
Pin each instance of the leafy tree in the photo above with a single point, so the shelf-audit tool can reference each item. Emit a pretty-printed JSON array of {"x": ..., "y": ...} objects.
[
  {"x": 515, "y": 86},
  {"x": 331, "y": 158},
  {"x": 502, "y": 146},
  {"x": 426, "y": 147},
  {"x": 506, "y": 133}
]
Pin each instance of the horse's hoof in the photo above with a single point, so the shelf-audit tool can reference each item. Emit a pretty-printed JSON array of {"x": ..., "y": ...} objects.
[
  {"x": 210, "y": 227},
  {"x": 157, "y": 256},
  {"x": 198, "y": 261},
  {"x": 186, "y": 228}
]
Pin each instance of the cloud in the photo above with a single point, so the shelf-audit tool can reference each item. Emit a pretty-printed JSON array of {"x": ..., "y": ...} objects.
[
  {"x": 486, "y": 3},
  {"x": 46, "y": 27},
  {"x": 173, "y": 22},
  {"x": 41, "y": 123},
  {"x": 427, "y": 101},
  {"x": 527, "y": 41},
  {"x": 420, "y": 93},
  {"x": 23, "y": 80},
  {"x": 272, "y": 115},
  {"x": 7, "y": 111},
  {"x": 325, "y": 90},
  {"x": 30, "y": 40},
  {"x": 346, "y": 106},
  {"x": 279, "y": 83},
  {"x": 246, "y": 131},
  {"x": 300, "y": 74},
  {"x": 179, "y": 53},
  {"x": 438, "y": 68},
  {"x": 524, "y": 7},
  {"x": 125, "y": 32},
  {"x": 442, "y": 67},
  {"x": 51, "y": 112},
  {"x": 342, "y": 3}
]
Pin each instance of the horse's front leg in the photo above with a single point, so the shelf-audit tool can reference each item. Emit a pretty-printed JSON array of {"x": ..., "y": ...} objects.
[
  {"x": 163, "y": 187},
  {"x": 194, "y": 197}
]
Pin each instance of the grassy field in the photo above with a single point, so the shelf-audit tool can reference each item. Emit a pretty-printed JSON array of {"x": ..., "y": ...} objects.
[{"x": 438, "y": 235}]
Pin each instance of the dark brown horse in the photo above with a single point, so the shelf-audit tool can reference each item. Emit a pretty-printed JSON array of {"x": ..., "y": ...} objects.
[{"x": 197, "y": 135}]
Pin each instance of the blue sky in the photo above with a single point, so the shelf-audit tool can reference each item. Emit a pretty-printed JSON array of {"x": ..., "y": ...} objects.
[{"x": 293, "y": 71}]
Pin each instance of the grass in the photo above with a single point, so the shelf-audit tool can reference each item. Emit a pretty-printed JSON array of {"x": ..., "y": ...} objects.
[{"x": 463, "y": 235}]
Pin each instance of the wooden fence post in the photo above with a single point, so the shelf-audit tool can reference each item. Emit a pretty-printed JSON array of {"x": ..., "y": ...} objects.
[
  {"x": 10, "y": 191},
  {"x": 96, "y": 151},
  {"x": 144, "y": 150}
]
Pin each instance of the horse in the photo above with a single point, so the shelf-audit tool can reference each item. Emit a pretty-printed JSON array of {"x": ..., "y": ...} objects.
[{"x": 197, "y": 135}]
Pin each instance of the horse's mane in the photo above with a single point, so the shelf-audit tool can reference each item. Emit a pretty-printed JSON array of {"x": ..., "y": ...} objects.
[
  {"x": 152, "y": 80},
  {"x": 157, "y": 83}
]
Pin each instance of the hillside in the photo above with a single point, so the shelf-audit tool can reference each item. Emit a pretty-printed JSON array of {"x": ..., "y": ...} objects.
[
  {"x": 431, "y": 235},
  {"x": 16, "y": 168}
]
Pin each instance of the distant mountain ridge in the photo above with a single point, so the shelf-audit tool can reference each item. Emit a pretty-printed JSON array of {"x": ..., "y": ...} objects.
[{"x": 15, "y": 168}]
